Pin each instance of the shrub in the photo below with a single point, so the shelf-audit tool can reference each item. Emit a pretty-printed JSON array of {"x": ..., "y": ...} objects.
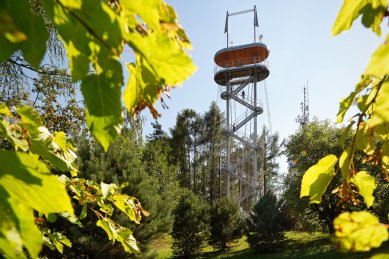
[
  {"x": 224, "y": 223},
  {"x": 266, "y": 223},
  {"x": 190, "y": 228}
]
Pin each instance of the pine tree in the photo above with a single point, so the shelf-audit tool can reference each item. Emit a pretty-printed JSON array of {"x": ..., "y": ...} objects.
[
  {"x": 266, "y": 223},
  {"x": 190, "y": 228},
  {"x": 224, "y": 223}
]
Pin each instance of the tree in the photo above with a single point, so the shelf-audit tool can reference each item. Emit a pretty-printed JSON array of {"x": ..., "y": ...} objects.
[
  {"x": 190, "y": 228},
  {"x": 225, "y": 223},
  {"x": 371, "y": 122},
  {"x": 304, "y": 149},
  {"x": 212, "y": 138},
  {"x": 271, "y": 149},
  {"x": 94, "y": 34},
  {"x": 266, "y": 224},
  {"x": 151, "y": 182}
]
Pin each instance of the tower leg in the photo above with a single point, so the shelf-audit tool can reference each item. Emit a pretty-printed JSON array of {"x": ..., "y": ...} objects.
[
  {"x": 255, "y": 149},
  {"x": 228, "y": 188}
]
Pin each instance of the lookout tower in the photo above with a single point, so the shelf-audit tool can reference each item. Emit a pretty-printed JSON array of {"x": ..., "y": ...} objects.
[{"x": 238, "y": 68}]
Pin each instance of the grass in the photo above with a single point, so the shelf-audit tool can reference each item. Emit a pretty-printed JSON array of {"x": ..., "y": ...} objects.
[{"x": 297, "y": 245}]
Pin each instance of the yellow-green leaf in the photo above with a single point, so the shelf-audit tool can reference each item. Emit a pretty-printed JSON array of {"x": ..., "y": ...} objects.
[
  {"x": 366, "y": 185},
  {"x": 317, "y": 178},
  {"x": 358, "y": 231},
  {"x": 30, "y": 234},
  {"x": 378, "y": 65},
  {"x": 380, "y": 256},
  {"x": 4, "y": 110},
  {"x": 22, "y": 30},
  {"x": 345, "y": 104},
  {"x": 28, "y": 180},
  {"x": 164, "y": 55},
  {"x": 381, "y": 108},
  {"x": 104, "y": 111},
  {"x": 372, "y": 12},
  {"x": 128, "y": 241},
  {"x": 142, "y": 87},
  {"x": 344, "y": 162}
]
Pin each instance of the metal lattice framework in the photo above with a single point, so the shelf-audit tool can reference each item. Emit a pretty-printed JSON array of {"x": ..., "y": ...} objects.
[{"x": 237, "y": 68}]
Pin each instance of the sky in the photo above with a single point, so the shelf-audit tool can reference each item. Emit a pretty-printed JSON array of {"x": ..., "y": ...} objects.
[{"x": 298, "y": 34}]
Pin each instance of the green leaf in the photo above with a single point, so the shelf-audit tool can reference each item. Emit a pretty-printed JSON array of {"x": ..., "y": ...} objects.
[
  {"x": 358, "y": 231},
  {"x": 52, "y": 218},
  {"x": 30, "y": 234},
  {"x": 317, "y": 178},
  {"x": 345, "y": 104},
  {"x": 29, "y": 116},
  {"x": 366, "y": 185},
  {"x": 378, "y": 65},
  {"x": 4, "y": 110},
  {"x": 60, "y": 139},
  {"x": 109, "y": 227},
  {"x": 74, "y": 36},
  {"x": 372, "y": 12},
  {"x": 380, "y": 256},
  {"x": 125, "y": 203},
  {"x": 11, "y": 243},
  {"x": 43, "y": 144},
  {"x": 26, "y": 31},
  {"x": 28, "y": 180},
  {"x": 84, "y": 211},
  {"x": 344, "y": 162},
  {"x": 142, "y": 87},
  {"x": 104, "y": 111},
  {"x": 380, "y": 115},
  {"x": 146, "y": 10},
  {"x": 128, "y": 241},
  {"x": 164, "y": 55}
]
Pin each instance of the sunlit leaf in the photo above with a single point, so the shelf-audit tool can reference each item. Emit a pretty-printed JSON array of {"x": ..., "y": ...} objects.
[
  {"x": 142, "y": 88},
  {"x": 168, "y": 61},
  {"x": 380, "y": 256},
  {"x": 29, "y": 116},
  {"x": 344, "y": 162},
  {"x": 345, "y": 104},
  {"x": 366, "y": 185},
  {"x": 104, "y": 110},
  {"x": 4, "y": 110},
  {"x": 358, "y": 231},
  {"x": 381, "y": 107},
  {"x": 122, "y": 203},
  {"x": 128, "y": 241},
  {"x": 378, "y": 65},
  {"x": 317, "y": 178},
  {"x": 26, "y": 31},
  {"x": 372, "y": 12},
  {"x": 27, "y": 179},
  {"x": 109, "y": 227}
]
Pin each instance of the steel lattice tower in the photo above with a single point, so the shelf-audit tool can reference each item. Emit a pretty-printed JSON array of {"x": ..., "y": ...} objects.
[{"x": 236, "y": 68}]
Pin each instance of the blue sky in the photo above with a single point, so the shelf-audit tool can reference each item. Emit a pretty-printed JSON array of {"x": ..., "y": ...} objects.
[{"x": 302, "y": 49}]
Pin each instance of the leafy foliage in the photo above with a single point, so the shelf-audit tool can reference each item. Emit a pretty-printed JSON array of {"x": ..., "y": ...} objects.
[
  {"x": 359, "y": 231},
  {"x": 26, "y": 183},
  {"x": 371, "y": 97},
  {"x": 97, "y": 39},
  {"x": 151, "y": 182},
  {"x": 190, "y": 228},
  {"x": 225, "y": 223},
  {"x": 94, "y": 34}
]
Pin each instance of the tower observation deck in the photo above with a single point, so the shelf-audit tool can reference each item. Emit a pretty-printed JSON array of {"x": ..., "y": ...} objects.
[{"x": 236, "y": 69}]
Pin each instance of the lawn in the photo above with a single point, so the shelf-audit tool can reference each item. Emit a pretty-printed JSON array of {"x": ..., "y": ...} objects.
[{"x": 297, "y": 245}]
